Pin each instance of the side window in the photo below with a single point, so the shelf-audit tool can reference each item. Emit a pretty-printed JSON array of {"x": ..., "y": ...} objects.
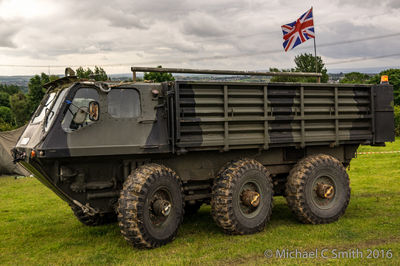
[
  {"x": 80, "y": 103},
  {"x": 123, "y": 103}
]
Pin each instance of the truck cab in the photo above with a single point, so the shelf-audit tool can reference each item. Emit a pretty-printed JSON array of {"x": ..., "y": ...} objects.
[{"x": 79, "y": 119}]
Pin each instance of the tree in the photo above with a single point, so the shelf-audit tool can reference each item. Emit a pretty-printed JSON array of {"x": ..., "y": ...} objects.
[
  {"x": 4, "y": 99},
  {"x": 36, "y": 91},
  {"x": 83, "y": 74},
  {"x": 355, "y": 78},
  {"x": 7, "y": 117},
  {"x": 158, "y": 77},
  {"x": 394, "y": 79},
  {"x": 9, "y": 89},
  {"x": 99, "y": 74},
  {"x": 5, "y": 114},
  {"x": 20, "y": 109},
  {"x": 305, "y": 63},
  {"x": 4, "y": 126}
]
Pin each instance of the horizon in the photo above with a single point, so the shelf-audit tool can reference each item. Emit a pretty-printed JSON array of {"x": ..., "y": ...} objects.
[{"x": 335, "y": 71}]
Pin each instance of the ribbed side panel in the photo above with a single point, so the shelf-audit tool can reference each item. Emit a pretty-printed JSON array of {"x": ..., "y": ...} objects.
[{"x": 227, "y": 116}]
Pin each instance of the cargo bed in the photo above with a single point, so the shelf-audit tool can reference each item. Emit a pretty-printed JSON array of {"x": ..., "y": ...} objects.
[{"x": 236, "y": 115}]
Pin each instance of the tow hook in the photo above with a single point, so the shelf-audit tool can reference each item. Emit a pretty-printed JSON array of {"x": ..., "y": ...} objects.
[
  {"x": 86, "y": 208},
  {"x": 18, "y": 155}
]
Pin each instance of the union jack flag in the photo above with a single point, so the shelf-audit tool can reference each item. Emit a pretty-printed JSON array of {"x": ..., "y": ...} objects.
[{"x": 298, "y": 31}]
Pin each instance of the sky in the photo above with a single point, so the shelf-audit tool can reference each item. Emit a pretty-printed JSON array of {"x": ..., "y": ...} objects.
[{"x": 46, "y": 36}]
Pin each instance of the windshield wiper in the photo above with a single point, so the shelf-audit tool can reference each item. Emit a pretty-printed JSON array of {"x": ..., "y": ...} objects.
[
  {"x": 44, "y": 104},
  {"x": 48, "y": 117},
  {"x": 46, "y": 113}
]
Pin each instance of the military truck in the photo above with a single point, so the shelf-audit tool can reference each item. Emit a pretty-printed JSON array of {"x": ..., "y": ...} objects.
[{"x": 147, "y": 153}]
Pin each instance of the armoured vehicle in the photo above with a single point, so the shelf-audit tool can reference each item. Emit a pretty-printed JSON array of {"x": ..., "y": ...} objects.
[{"x": 146, "y": 153}]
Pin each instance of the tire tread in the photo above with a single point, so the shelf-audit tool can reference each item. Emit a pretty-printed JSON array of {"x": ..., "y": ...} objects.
[
  {"x": 131, "y": 202},
  {"x": 296, "y": 183},
  {"x": 222, "y": 193}
]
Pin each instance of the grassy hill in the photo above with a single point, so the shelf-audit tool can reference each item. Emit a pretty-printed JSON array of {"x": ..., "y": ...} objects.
[{"x": 36, "y": 227}]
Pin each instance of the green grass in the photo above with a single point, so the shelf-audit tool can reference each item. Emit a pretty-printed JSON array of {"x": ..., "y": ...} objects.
[
  {"x": 36, "y": 227},
  {"x": 390, "y": 146}
]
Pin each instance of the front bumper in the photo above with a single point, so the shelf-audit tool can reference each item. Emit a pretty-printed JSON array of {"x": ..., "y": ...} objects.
[{"x": 18, "y": 155}]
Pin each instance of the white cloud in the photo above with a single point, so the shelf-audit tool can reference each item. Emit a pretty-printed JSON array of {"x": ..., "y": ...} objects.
[
  {"x": 235, "y": 34},
  {"x": 7, "y": 32}
]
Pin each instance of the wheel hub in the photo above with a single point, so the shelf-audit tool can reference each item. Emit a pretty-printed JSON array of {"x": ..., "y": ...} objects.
[
  {"x": 162, "y": 207},
  {"x": 325, "y": 191},
  {"x": 250, "y": 198}
]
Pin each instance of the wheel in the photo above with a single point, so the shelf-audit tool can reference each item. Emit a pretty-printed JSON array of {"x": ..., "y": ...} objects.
[
  {"x": 318, "y": 189},
  {"x": 192, "y": 208},
  {"x": 150, "y": 207},
  {"x": 93, "y": 220},
  {"x": 241, "y": 200}
]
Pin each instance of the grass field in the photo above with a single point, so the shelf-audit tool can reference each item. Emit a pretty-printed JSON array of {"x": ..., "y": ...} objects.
[
  {"x": 390, "y": 146},
  {"x": 36, "y": 227}
]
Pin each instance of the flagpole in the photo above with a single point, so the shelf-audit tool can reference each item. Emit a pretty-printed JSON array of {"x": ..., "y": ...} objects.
[
  {"x": 315, "y": 54},
  {"x": 315, "y": 49}
]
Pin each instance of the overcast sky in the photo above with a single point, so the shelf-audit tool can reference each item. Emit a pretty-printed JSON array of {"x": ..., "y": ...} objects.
[{"x": 221, "y": 34}]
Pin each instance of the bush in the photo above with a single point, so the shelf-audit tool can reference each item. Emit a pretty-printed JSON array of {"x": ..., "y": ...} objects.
[
  {"x": 5, "y": 114},
  {"x": 397, "y": 119},
  {"x": 355, "y": 78},
  {"x": 4, "y": 99},
  {"x": 4, "y": 126},
  {"x": 158, "y": 77},
  {"x": 20, "y": 109}
]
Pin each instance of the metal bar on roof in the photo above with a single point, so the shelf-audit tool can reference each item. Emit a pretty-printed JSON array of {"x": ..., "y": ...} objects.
[{"x": 223, "y": 72}]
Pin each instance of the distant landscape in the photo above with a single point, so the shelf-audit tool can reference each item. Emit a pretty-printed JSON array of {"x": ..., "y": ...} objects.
[{"x": 22, "y": 81}]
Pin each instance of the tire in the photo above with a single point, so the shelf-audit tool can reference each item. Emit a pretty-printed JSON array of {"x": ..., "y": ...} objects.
[
  {"x": 306, "y": 195},
  {"x": 228, "y": 206},
  {"x": 192, "y": 209},
  {"x": 93, "y": 220},
  {"x": 140, "y": 223}
]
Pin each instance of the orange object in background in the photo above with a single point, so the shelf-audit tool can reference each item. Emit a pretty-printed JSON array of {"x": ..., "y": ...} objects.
[{"x": 384, "y": 79}]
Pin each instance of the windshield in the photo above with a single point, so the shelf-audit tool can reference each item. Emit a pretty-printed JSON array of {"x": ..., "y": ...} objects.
[
  {"x": 41, "y": 111},
  {"x": 54, "y": 108}
]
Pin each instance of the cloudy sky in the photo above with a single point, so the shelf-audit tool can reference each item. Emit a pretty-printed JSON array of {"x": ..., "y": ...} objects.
[{"x": 221, "y": 34}]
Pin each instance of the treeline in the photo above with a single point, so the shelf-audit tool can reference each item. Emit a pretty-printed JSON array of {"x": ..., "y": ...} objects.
[{"x": 16, "y": 108}]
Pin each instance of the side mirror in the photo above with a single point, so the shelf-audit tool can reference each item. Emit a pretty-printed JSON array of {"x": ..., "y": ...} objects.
[
  {"x": 80, "y": 116},
  {"x": 94, "y": 111}
]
